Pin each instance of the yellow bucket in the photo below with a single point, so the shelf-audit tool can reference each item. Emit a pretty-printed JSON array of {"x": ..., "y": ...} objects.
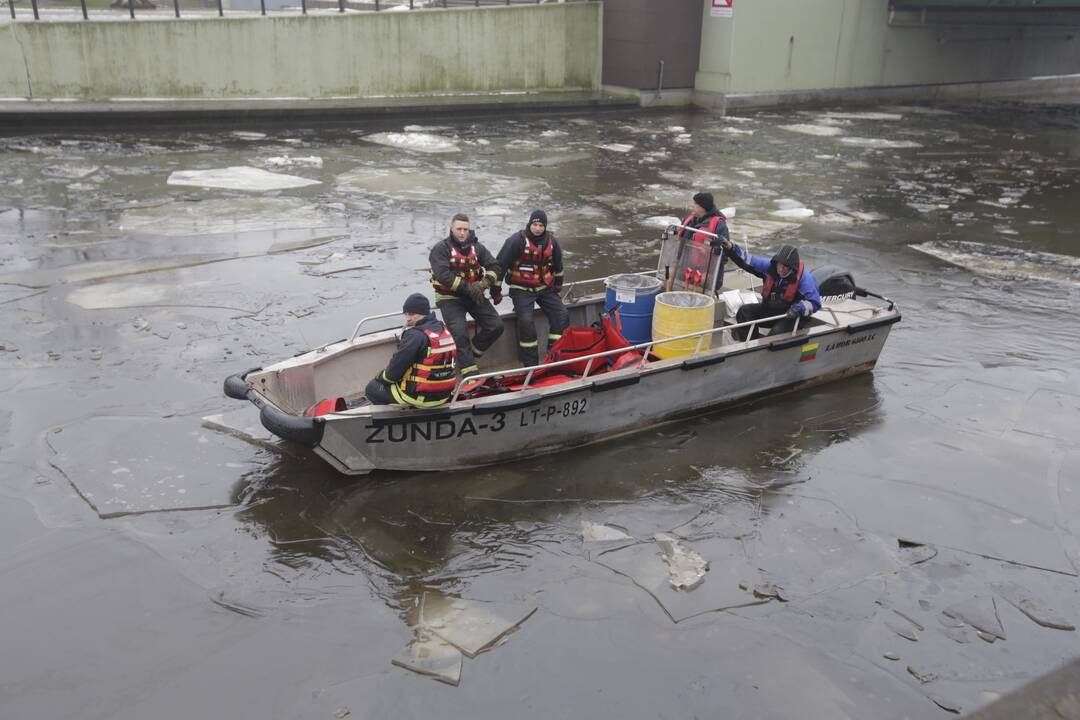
[{"x": 681, "y": 313}]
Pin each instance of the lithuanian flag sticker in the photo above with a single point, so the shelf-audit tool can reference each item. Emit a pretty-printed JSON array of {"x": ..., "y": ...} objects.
[{"x": 809, "y": 352}]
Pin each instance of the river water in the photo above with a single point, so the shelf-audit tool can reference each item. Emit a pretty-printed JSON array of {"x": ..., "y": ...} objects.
[{"x": 919, "y": 523}]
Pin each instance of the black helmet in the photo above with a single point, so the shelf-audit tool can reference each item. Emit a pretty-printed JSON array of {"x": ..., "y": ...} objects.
[{"x": 787, "y": 255}]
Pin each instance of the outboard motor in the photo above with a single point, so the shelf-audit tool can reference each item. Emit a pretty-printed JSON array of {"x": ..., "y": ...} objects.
[{"x": 834, "y": 284}]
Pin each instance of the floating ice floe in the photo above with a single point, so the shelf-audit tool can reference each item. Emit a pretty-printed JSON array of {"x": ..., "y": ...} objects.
[
  {"x": 617, "y": 147},
  {"x": 807, "y": 129},
  {"x": 769, "y": 165},
  {"x": 426, "y": 128},
  {"x": 1004, "y": 262},
  {"x": 227, "y": 215},
  {"x": 791, "y": 209},
  {"x": 737, "y": 131},
  {"x": 70, "y": 172},
  {"x": 597, "y": 532},
  {"x": 246, "y": 135},
  {"x": 676, "y": 129},
  {"x": 864, "y": 116},
  {"x": 608, "y": 231},
  {"x": 448, "y": 184},
  {"x": 686, "y": 569},
  {"x": 469, "y": 625},
  {"x": 879, "y": 143},
  {"x": 421, "y": 142},
  {"x": 239, "y": 178},
  {"x": 554, "y": 133},
  {"x": 661, "y": 221},
  {"x": 429, "y": 655},
  {"x": 312, "y": 161}
]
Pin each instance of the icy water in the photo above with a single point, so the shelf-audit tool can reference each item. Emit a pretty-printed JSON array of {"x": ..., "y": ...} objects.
[{"x": 904, "y": 544}]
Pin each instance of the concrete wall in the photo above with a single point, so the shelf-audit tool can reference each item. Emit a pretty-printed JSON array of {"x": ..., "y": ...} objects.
[
  {"x": 541, "y": 47},
  {"x": 791, "y": 45}
]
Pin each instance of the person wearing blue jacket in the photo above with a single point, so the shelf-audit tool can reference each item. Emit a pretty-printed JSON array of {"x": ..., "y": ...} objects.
[{"x": 788, "y": 288}]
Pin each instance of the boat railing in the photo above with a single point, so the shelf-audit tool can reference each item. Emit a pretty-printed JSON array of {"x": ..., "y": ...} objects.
[
  {"x": 645, "y": 347},
  {"x": 569, "y": 288}
]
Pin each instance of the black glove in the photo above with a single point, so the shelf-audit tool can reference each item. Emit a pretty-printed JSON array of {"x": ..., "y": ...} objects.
[
  {"x": 792, "y": 313},
  {"x": 720, "y": 243},
  {"x": 474, "y": 291}
]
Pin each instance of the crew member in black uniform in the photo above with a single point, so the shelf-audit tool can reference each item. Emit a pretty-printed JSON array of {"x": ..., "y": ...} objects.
[
  {"x": 532, "y": 261},
  {"x": 421, "y": 373},
  {"x": 461, "y": 270}
]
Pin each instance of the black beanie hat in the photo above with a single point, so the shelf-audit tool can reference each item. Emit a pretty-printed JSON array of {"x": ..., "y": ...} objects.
[
  {"x": 538, "y": 215},
  {"x": 416, "y": 304},
  {"x": 705, "y": 200},
  {"x": 788, "y": 255}
]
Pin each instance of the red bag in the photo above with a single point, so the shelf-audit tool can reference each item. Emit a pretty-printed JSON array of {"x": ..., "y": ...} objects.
[{"x": 578, "y": 342}]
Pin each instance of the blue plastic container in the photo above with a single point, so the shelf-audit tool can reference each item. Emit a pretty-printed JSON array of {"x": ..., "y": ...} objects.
[{"x": 635, "y": 297}]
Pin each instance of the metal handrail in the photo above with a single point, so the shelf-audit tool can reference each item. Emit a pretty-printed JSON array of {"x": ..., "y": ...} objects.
[
  {"x": 356, "y": 330},
  {"x": 129, "y": 5},
  {"x": 700, "y": 334},
  {"x": 746, "y": 244}
]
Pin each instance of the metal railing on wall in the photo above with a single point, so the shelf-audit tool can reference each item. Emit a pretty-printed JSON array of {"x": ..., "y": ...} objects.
[{"x": 99, "y": 10}]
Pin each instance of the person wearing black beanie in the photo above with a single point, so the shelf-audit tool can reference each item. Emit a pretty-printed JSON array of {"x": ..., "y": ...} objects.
[
  {"x": 422, "y": 373},
  {"x": 694, "y": 270},
  {"x": 532, "y": 261}
]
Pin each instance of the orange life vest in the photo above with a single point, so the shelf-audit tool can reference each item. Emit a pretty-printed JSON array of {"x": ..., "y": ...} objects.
[
  {"x": 430, "y": 382},
  {"x": 464, "y": 265},
  {"x": 789, "y": 292},
  {"x": 533, "y": 269}
]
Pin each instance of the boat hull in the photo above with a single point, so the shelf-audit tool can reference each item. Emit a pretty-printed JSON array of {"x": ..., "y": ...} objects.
[{"x": 542, "y": 421}]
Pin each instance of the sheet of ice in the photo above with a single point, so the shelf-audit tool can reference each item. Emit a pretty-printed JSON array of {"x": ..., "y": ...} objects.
[
  {"x": 676, "y": 129},
  {"x": 980, "y": 612},
  {"x": 284, "y": 161},
  {"x": 1026, "y": 603},
  {"x": 429, "y": 655},
  {"x": 446, "y": 184},
  {"x": 239, "y": 178},
  {"x": 421, "y": 142},
  {"x": 836, "y": 219},
  {"x": 247, "y": 135},
  {"x": 754, "y": 229},
  {"x": 863, "y": 115},
  {"x": 807, "y": 129},
  {"x": 737, "y": 131},
  {"x": 1004, "y": 262},
  {"x": 228, "y": 215},
  {"x": 598, "y": 532},
  {"x": 554, "y": 133},
  {"x": 426, "y": 128},
  {"x": 1052, "y": 414},
  {"x": 729, "y": 583},
  {"x": 661, "y": 221},
  {"x": 243, "y": 423},
  {"x": 686, "y": 569},
  {"x": 471, "y": 626},
  {"x": 608, "y": 232},
  {"x": 70, "y": 172},
  {"x": 880, "y": 143},
  {"x": 124, "y": 465},
  {"x": 768, "y": 165},
  {"x": 617, "y": 147},
  {"x": 797, "y": 213}
]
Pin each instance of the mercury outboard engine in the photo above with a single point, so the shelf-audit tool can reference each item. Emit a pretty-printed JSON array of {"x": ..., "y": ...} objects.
[{"x": 834, "y": 284}]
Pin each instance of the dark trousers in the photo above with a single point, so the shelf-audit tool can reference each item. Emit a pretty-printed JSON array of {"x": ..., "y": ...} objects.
[
  {"x": 769, "y": 308},
  {"x": 558, "y": 318},
  {"x": 489, "y": 327},
  {"x": 378, "y": 392}
]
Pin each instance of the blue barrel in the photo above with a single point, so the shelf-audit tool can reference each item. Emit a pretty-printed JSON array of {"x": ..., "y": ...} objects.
[{"x": 635, "y": 296}]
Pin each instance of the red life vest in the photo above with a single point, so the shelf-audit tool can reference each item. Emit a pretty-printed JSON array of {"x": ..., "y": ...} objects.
[
  {"x": 430, "y": 382},
  {"x": 789, "y": 292},
  {"x": 711, "y": 226},
  {"x": 533, "y": 269},
  {"x": 464, "y": 265}
]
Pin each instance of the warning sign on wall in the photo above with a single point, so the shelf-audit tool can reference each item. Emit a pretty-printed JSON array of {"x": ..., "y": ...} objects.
[{"x": 722, "y": 8}]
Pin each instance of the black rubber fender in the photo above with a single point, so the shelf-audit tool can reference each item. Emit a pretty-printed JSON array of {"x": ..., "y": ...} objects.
[
  {"x": 236, "y": 387},
  {"x": 307, "y": 431}
]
